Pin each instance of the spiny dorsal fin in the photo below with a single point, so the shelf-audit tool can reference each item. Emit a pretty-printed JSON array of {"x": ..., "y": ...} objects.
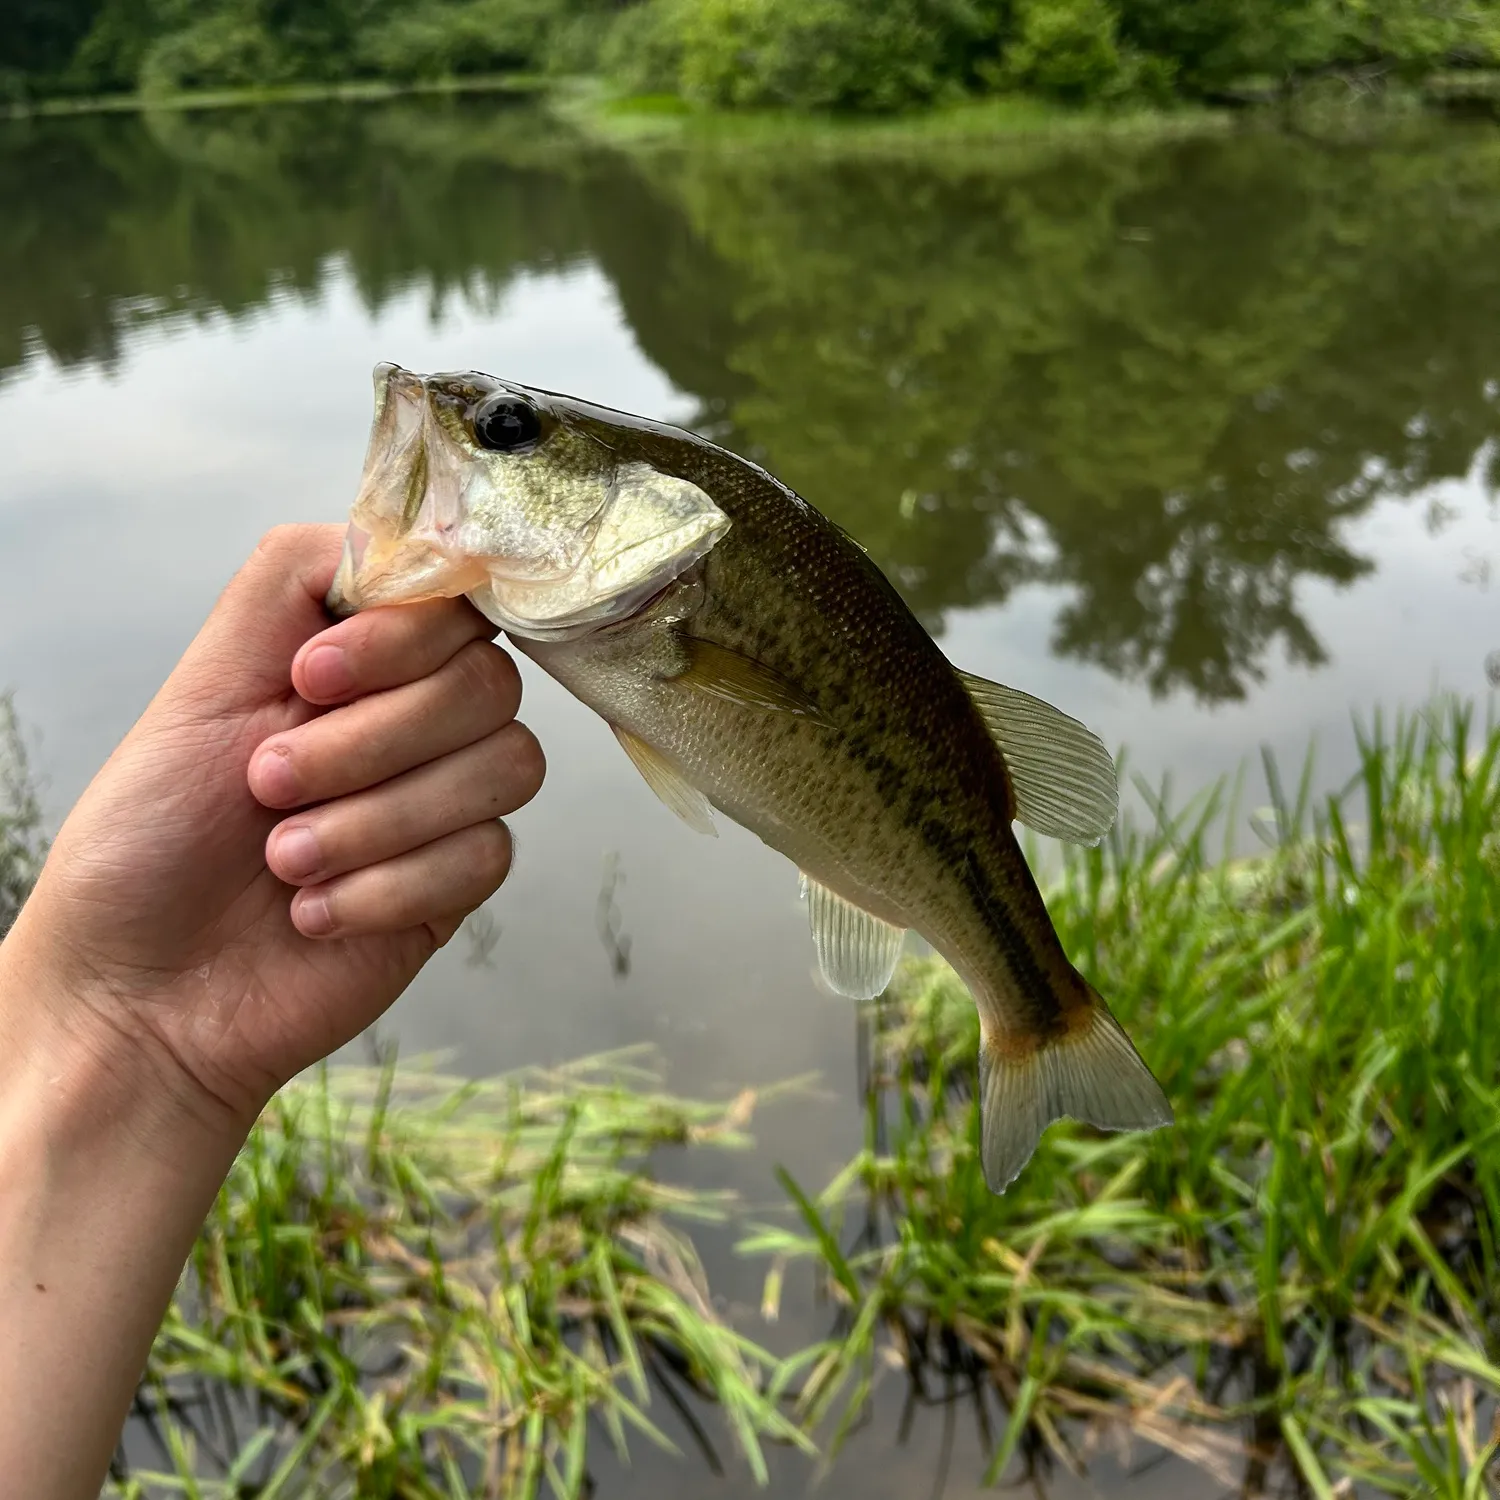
[
  {"x": 668, "y": 783},
  {"x": 857, "y": 952},
  {"x": 1062, "y": 776},
  {"x": 727, "y": 673}
]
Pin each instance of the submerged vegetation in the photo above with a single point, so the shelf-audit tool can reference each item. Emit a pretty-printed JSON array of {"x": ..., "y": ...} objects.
[{"x": 805, "y": 54}]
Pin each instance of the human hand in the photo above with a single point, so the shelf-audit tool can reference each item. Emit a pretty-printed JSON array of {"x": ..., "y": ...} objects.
[{"x": 366, "y": 764}]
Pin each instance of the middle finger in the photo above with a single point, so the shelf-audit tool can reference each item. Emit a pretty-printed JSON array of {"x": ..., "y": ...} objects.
[{"x": 380, "y": 736}]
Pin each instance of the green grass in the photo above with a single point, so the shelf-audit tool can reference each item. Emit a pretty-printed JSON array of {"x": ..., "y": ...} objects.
[
  {"x": 418, "y": 1286},
  {"x": 668, "y": 120},
  {"x": 1305, "y": 1269}
]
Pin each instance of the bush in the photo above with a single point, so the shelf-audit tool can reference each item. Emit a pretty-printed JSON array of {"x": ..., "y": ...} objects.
[
  {"x": 574, "y": 44},
  {"x": 1066, "y": 49},
  {"x": 822, "y": 54},
  {"x": 439, "y": 40},
  {"x": 222, "y": 51},
  {"x": 642, "y": 53}
]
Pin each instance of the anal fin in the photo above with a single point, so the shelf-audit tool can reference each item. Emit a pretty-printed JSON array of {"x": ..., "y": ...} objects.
[
  {"x": 668, "y": 783},
  {"x": 1093, "y": 1074},
  {"x": 857, "y": 952}
]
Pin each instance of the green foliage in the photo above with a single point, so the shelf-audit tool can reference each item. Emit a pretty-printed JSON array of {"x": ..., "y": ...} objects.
[
  {"x": 1164, "y": 380},
  {"x": 436, "y": 39},
  {"x": 803, "y": 54},
  {"x": 643, "y": 52},
  {"x": 816, "y": 54},
  {"x": 37, "y": 41},
  {"x": 409, "y": 1278},
  {"x": 1067, "y": 49},
  {"x": 1313, "y": 1244},
  {"x": 226, "y": 50}
]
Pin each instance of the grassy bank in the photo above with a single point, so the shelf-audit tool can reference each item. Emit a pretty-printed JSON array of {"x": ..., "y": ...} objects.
[
  {"x": 668, "y": 120},
  {"x": 413, "y": 1285},
  {"x": 601, "y": 113},
  {"x": 1297, "y": 1286},
  {"x": 420, "y": 1286}
]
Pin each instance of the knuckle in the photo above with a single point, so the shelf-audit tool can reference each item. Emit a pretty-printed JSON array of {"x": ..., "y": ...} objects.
[
  {"x": 357, "y": 634},
  {"x": 486, "y": 672},
  {"x": 282, "y": 542}
]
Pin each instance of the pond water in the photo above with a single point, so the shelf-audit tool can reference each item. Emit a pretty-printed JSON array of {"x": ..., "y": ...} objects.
[{"x": 1198, "y": 439}]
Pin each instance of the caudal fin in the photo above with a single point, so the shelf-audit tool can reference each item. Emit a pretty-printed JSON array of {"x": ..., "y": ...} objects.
[{"x": 1091, "y": 1073}]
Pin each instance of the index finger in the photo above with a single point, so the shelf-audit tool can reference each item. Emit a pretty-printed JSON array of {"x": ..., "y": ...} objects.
[{"x": 385, "y": 648}]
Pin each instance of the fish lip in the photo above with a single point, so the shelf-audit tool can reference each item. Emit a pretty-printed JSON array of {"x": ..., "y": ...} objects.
[{"x": 412, "y": 471}]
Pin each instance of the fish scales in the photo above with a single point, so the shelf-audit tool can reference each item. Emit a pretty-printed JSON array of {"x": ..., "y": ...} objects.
[
  {"x": 904, "y": 752},
  {"x": 751, "y": 658}
]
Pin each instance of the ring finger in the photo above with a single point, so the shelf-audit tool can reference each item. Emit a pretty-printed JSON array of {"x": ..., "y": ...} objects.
[
  {"x": 428, "y": 885},
  {"x": 477, "y": 784}
]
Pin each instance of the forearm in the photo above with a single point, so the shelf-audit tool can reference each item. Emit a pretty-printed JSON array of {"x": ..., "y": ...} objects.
[{"x": 101, "y": 1194}]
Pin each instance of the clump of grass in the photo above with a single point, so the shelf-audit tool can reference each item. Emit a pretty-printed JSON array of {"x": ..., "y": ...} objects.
[
  {"x": 23, "y": 845},
  {"x": 1297, "y": 1285},
  {"x": 417, "y": 1286}
]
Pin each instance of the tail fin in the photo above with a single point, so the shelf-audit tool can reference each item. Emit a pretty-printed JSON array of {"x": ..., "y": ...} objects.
[{"x": 1091, "y": 1073}]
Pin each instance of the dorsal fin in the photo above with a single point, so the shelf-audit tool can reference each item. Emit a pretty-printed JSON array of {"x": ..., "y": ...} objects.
[{"x": 1062, "y": 777}]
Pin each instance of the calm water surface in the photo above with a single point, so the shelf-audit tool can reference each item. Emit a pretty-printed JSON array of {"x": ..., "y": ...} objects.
[{"x": 1197, "y": 440}]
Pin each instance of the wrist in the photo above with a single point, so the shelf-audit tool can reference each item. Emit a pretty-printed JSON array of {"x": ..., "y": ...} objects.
[
  {"x": 92, "y": 1074},
  {"x": 105, "y": 1178}
]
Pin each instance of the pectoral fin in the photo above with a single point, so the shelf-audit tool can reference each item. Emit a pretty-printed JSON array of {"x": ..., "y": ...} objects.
[
  {"x": 725, "y": 673},
  {"x": 1061, "y": 774},
  {"x": 857, "y": 952},
  {"x": 668, "y": 783}
]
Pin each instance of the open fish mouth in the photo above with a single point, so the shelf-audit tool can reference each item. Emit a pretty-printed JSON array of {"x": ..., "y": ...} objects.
[{"x": 512, "y": 497}]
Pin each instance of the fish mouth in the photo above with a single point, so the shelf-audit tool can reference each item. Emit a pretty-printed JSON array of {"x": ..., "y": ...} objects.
[
  {"x": 549, "y": 541},
  {"x": 410, "y": 473}
]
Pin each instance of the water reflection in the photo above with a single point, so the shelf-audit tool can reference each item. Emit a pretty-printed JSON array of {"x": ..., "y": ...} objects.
[
  {"x": 1166, "y": 378},
  {"x": 1166, "y": 387}
]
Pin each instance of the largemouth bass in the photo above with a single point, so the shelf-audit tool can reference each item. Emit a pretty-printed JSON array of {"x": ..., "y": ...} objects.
[{"x": 750, "y": 658}]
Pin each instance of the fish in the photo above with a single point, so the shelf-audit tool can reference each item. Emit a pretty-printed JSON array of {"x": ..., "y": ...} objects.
[{"x": 754, "y": 662}]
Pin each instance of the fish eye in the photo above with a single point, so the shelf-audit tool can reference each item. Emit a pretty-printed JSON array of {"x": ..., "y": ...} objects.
[{"x": 505, "y": 424}]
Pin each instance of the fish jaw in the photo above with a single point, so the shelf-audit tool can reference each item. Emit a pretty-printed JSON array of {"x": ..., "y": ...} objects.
[{"x": 552, "y": 540}]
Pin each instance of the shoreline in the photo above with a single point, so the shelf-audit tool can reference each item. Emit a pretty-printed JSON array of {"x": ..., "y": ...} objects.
[{"x": 587, "y": 105}]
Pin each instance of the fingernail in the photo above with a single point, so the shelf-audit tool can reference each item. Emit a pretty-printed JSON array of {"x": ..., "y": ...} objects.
[
  {"x": 273, "y": 780},
  {"x": 297, "y": 853},
  {"x": 314, "y": 916},
  {"x": 326, "y": 671}
]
